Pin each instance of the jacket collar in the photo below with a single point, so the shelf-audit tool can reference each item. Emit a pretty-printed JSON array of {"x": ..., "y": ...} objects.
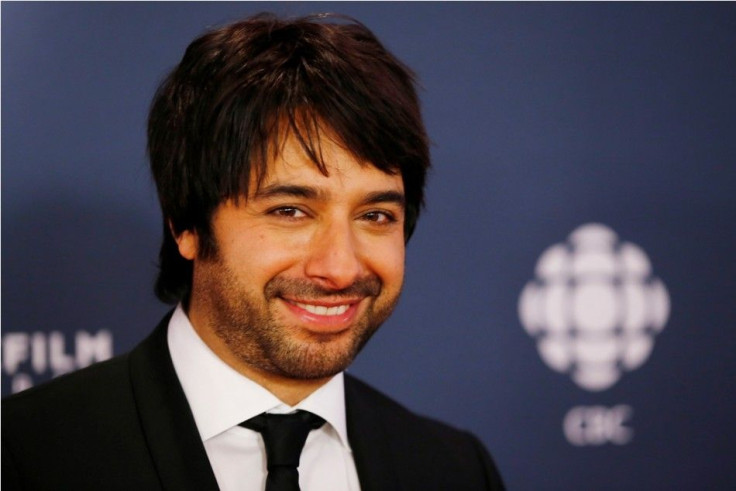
[
  {"x": 369, "y": 436},
  {"x": 175, "y": 444},
  {"x": 166, "y": 419}
]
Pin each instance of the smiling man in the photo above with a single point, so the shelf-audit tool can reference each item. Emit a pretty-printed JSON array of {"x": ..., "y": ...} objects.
[
  {"x": 290, "y": 161},
  {"x": 304, "y": 269}
]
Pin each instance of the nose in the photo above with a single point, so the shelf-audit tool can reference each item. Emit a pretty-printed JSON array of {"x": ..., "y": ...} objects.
[{"x": 334, "y": 259}]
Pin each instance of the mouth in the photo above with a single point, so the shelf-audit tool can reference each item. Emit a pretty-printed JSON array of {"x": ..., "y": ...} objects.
[
  {"x": 323, "y": 310},
  {"x": 324, "y": 316}
]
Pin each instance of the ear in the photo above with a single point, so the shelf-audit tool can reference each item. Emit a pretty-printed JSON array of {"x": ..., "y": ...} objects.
[{"x": 187, "y": 242}]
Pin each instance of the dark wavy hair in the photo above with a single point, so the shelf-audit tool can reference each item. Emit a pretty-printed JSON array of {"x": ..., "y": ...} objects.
[{"x": 217, "y": 116}]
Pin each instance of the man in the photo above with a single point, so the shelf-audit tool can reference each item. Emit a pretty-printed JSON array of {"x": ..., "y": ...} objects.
[{"x": 290, "y": 160}]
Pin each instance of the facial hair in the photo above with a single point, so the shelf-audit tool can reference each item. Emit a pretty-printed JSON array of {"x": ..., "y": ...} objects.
[{"x": 249, "y": 324}]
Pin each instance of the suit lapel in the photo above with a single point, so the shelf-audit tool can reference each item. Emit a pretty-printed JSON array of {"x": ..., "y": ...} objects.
[
  {"x": 176, "y": 447},
  {"x": 166, "y": 420},
  {"x": 369, "y": 439}
]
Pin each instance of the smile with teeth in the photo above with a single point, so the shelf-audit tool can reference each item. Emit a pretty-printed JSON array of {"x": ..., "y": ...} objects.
[{"x": 323, "y": 310}]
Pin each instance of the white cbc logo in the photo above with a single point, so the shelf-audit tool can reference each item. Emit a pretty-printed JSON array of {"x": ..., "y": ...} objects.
[{"x": 594, "y": 307}]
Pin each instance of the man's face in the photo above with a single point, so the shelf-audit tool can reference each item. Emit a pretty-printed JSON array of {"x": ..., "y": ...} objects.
[{"x": 307, "y": 268}]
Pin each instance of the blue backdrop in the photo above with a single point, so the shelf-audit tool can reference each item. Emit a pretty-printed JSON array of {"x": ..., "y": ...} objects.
[{"x": 615, "y": 370}]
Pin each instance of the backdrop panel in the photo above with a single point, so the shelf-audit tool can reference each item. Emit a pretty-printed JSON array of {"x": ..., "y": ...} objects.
[{"x": 570, "y": 292}]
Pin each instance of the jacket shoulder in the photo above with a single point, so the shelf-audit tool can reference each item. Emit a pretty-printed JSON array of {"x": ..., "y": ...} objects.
[
  {"x": 70, "y": 391},
  {"x": 398, "y": 416},
  {"x": 85, "y": 421},
  {"x": 424, "y": 448}
]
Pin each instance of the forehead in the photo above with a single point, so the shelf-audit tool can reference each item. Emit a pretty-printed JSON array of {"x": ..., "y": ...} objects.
[{"x": 291, "y": 164}]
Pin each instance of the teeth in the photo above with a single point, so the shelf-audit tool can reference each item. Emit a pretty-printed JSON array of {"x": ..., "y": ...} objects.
[{"x": 322, "y": 310}]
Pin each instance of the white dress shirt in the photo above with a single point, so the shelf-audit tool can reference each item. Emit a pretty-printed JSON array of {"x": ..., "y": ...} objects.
[{"x": 221, "y": 398}]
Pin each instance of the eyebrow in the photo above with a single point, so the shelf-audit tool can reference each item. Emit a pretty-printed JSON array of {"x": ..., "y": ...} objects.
[
  {"x": 278, "y": 190},
  {"x": 385, "y": 197},
  {"x": 309, "y": 192}
]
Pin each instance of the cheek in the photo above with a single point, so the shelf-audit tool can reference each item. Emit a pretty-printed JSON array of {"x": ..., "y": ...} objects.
[
  {"x": 388, "y": 262},
  {"x": 263, "y": 254}
]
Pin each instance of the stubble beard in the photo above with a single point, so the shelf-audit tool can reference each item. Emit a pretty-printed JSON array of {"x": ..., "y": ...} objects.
[{"x": 246, "y": 323}]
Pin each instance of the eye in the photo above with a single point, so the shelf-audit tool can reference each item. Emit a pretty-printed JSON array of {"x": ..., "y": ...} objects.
[
  {"x": 379, "y": 217},
  {"x": 288, "y": 212}
]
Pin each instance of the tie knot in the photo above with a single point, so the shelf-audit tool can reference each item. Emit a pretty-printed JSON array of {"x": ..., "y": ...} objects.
[{"x": 284, "y": 435}]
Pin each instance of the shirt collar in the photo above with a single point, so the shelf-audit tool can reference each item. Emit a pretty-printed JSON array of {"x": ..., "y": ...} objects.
[{"x": 221, "y": 398}]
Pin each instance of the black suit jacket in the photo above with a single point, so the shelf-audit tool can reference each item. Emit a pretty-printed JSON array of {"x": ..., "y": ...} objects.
[{"x": 126, "y": 424}]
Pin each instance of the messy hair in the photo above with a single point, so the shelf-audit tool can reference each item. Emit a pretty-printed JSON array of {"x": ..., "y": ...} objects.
[{"x": 217, "y": 117}]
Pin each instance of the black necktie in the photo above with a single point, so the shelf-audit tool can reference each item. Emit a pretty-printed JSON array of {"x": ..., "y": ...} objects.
[{"x": 284, "y": 436}]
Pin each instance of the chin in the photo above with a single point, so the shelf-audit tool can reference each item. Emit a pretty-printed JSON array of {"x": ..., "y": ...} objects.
[{"x": 319, "y": 356}]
